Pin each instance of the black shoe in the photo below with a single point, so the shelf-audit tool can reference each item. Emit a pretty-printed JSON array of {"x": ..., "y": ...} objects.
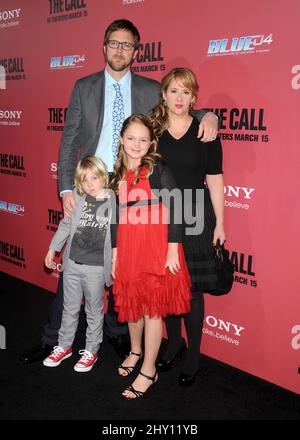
[
  {"x": 121, "y": 345},
  {"x": 163, "y": 365},
  {"x": 37, "y": 353},
  {"x": 186, "y": 380},
  {"x": 129, "y": 370},
  {"x": 139, "y": 394}
]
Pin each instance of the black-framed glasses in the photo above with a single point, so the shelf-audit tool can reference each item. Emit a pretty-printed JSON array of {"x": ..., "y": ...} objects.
[{"x": 114, "y": 44}]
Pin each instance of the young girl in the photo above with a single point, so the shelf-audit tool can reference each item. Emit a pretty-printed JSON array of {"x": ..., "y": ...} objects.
[
  {"x": 86, "y": 262},
  {"x": 151, "y": 277}
]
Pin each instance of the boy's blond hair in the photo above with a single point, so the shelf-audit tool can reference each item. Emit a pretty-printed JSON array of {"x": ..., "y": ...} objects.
[{"x": 97, "y": 167}]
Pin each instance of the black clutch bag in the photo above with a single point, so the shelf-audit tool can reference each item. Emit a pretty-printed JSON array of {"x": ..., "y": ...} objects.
[{"x": 224, "y": 270}]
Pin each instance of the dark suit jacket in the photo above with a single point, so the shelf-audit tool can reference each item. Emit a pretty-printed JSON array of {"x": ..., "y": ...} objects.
[{"x": 85, "y": 118}]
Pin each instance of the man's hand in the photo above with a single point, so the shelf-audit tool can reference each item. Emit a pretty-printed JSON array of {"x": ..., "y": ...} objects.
[
  {"x": 68, "y": 203},
  {"x": 208, "y": 127}
]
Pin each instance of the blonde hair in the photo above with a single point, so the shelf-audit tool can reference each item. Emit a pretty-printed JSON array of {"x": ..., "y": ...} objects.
[
  {"x": 147, "y": 161},
  {"x": 96, "y": 166},
  {"x": 159, "y": 116}
]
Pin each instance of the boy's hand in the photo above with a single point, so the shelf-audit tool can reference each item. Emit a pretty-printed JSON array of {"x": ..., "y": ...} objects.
[{"x": 49, "y": 259}]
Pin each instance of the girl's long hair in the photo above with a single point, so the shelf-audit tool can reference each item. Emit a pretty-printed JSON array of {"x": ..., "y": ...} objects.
[
  {"x": 159, "y": 116},
  {"x": 148, "y": 161}
]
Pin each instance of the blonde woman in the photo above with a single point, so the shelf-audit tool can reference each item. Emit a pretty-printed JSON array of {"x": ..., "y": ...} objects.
[{"x": 195, "y": 166}]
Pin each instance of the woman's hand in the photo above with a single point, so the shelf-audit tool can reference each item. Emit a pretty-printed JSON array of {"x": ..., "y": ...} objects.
[
  {"x": 219, "y": 233},
  {"x": 215, "y": 185},
  {"x": 49, "y": 259},
  {"x": 172, "y": 261}
]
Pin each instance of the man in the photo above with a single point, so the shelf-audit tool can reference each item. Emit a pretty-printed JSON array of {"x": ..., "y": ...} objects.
[{"x": 99, "y": 104}]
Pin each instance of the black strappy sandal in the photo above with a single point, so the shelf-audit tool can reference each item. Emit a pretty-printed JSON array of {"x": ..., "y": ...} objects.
[
  {"x": 129, "y": 369},
  {"x": 139, "y": 394}
]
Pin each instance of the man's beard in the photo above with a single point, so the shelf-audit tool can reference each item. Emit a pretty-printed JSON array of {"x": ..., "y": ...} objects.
[{"x": 118, "y": 66}]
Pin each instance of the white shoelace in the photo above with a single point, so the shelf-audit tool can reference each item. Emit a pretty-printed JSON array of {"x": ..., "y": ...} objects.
[
  {"x": 86, "y": 356},
  {"x": 57, "y": 351}
]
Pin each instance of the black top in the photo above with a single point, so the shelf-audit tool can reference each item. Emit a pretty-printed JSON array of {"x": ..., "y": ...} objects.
[
  {"x": 87, "y": 245},
  {"x": 189, "y": 159}
]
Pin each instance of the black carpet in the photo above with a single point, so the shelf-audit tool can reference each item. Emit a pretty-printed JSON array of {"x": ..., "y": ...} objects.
[{"x": 34, "y": 392}]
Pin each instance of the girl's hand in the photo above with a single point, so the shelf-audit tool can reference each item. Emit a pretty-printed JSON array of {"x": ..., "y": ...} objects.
[
  {"x": 113, "y": 269},
  {"x": 49, "y": 259},
  {"x": 172, "y": 261},
  {"x": 219, "y": 233},
  {"x": 114, "y": 261}
]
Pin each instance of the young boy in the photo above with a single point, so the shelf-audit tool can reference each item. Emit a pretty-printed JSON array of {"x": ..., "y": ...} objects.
[{"x": 86, "y": 262}]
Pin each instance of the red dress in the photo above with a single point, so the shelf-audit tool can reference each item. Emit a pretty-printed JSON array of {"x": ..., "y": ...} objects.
[{"x": 143, "y": 286}]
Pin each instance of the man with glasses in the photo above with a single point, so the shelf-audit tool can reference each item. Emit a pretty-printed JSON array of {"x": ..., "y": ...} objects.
[{"x": 98, "y": 106}]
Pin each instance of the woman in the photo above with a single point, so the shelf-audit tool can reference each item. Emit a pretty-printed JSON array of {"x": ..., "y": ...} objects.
[{"x": 195, "y": 166}]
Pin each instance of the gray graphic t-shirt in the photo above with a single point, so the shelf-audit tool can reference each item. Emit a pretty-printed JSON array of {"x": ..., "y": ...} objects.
[{"x": 87, "y": 246}]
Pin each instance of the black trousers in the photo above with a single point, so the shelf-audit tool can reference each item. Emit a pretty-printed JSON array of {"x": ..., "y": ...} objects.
[{"x": 50, "y": 332}]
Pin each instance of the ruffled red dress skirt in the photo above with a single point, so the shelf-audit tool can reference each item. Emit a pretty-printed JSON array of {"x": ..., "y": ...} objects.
[{"x": 143, "y": 286}]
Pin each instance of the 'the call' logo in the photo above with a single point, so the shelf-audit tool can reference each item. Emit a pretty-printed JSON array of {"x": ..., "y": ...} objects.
[
  {"x": 57, "y": 117},
  {"x": 12, "y": 164},
  {"x": 59, "y": 6},
  {"x": 14, "y": 68},
  {"x": 243, "y": 268},
  {"x": 54, "y": 217},
  {"x": 12, "y": 254},
  {"x": 62, "y": 10},
  {"x": 246, "y": 124},
  {"x": 150, "y": 57}
]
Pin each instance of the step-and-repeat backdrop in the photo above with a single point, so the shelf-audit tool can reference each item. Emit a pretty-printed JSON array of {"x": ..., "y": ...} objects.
[{"x": 246, "y": 58}]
